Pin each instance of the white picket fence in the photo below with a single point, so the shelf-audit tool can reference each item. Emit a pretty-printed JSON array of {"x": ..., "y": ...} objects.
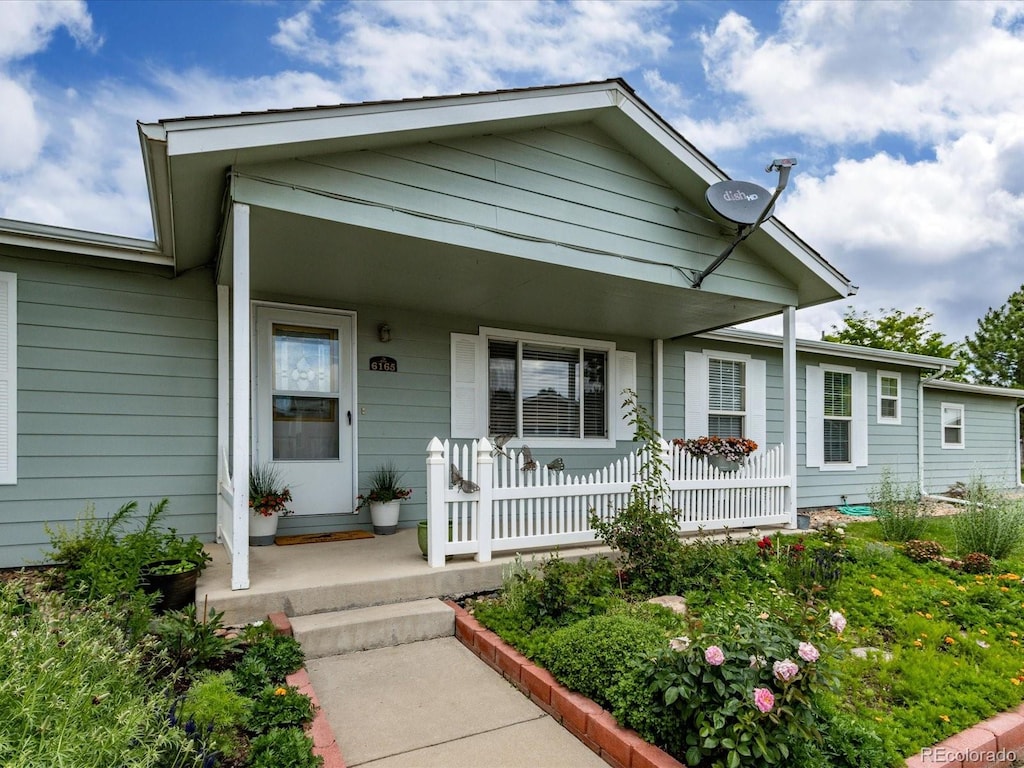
[{"x": 512, "y": 509}]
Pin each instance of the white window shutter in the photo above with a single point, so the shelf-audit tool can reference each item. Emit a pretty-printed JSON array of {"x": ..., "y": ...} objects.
[
  {"x": 757, "y": 409},
  {"x": 859, "y": 427},
  {"x": 625, "y": 378},
  {"x": 469, "y": 386},
  {"x": 695, "y": 391},
  {"x": 8, "y": 378},
  {"x": 815, "y": 417}
]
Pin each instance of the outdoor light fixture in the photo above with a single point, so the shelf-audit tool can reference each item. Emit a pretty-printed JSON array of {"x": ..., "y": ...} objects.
[
  {"x": 384, "y": 332},
  {"x": 740, "y": 203}
]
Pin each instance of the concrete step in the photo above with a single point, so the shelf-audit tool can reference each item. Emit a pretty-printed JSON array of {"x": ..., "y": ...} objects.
[{"x": 379, "y": 626}]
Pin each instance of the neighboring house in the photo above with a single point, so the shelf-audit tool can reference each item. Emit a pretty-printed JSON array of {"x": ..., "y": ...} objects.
[{"x": 516, "y": 257}]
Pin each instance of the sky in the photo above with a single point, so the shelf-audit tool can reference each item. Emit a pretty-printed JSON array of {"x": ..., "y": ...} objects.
[{"x": 906, "y": 118}]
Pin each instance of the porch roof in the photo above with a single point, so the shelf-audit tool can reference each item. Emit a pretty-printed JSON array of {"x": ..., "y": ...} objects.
[{"x": 193, "y": 164}]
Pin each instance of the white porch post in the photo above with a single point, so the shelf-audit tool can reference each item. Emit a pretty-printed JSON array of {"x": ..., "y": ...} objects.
[
  {"x": 437, "y": 510},
  {"x": 659, "y": 385},
  {"x": 225, "y": 515},
  {"x": 789, "y": 408},
  {"x": 240, "y": 397}
]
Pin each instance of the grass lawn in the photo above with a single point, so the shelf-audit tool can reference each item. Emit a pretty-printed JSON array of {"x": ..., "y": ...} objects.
[{"x": 756, "y": 671}]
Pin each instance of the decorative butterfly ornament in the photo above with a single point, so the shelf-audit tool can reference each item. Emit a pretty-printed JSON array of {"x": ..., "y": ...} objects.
[{"x": 455, "y": 478}]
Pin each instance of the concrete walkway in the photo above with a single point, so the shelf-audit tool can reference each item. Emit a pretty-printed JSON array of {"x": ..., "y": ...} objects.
[{"x": 434, "y": 703}]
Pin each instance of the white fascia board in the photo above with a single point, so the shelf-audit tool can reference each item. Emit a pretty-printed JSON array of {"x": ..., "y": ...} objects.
[
  {"x": 192, "y": 136},
  {"x": 976, "y": 389},
  {"x": 830, "y": 348},
  {"x": 80, "y": 242}
]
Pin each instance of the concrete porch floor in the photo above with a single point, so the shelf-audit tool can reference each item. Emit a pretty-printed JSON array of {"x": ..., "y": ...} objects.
[{"x": 305, "y": 579}]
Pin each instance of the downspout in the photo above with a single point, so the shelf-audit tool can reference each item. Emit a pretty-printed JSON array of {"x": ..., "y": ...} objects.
[{"x": 920, "y": 438}]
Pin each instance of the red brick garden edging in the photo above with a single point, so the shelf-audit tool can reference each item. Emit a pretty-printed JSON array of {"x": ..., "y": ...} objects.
[
  {"x": 324, "y": 743},
  {"x": 995, "y": 743}
]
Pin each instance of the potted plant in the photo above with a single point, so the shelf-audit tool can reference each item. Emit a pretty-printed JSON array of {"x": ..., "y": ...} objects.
[
  {"x": 268, "y": 503},
  {"x": 724, "y": 453},
  {"x": 170, "y": 564},
  {"x": 384, "y": 498}
]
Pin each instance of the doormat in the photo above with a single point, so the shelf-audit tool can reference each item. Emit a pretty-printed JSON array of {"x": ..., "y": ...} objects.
[{"x": 318, "y": 538}]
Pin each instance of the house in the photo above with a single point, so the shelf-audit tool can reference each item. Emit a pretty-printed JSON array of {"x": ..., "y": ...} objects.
[{"x": 334, "y": 287}]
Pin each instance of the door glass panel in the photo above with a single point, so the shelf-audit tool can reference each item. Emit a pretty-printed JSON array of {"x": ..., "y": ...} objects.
[
  {"x": 305, "y": 428},
  {"x": 305, "y": 359},
  {"x": 305, "y": 400}
]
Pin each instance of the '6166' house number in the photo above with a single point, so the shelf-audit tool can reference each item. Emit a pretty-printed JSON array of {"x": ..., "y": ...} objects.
[{"x": 386, "y": 364}]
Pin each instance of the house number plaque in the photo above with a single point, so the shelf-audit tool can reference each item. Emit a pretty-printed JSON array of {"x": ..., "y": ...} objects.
[{"x": 386, "y": 364}]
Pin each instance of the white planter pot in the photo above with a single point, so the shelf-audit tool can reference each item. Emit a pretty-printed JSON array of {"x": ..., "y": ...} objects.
[
  {"x": 384, "y": 515},
  {"x": 262, "y": 529}
]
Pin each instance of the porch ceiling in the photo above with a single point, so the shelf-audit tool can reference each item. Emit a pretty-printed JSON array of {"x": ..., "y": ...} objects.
[{"x": 313, "y": 260}]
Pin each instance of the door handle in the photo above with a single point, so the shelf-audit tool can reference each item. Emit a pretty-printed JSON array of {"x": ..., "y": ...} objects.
[{"x": 350, "y": 418}]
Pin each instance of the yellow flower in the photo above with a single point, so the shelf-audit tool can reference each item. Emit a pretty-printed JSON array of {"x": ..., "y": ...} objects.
[
  {"x": 924, "y": 634},
  {"x": 944, "y": 718},
  {"x": 876, "y": 592},
  {"x": 927, "y": 615},
  {"x": 280, "y": 691},
  {"x": 1013, "y": 634},
  {"x": 949, "y": 640},
  {"x": 962, "y": 589},
  {"x": 943, "y": 602},
  {"x": 982, "y": 631},
  {"x": 918, "y": 643},
  {"x": 1004, "y": 589},
  {"x": 873, "y": 576},
  {"x": 1015, "y": 680}
]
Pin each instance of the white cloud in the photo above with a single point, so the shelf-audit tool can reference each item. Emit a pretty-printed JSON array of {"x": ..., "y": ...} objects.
[
  {"x": 401, "y": 49},
  {"x": 26, "y": 27},
  {"x": 850, "y": 72}
]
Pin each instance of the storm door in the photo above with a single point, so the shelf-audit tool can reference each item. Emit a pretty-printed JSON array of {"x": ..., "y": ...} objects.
[{"x": 303, "y": 397}]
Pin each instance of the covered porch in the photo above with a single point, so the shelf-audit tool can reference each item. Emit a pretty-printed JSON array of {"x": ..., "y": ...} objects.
[{"x": 569, "y": 217}]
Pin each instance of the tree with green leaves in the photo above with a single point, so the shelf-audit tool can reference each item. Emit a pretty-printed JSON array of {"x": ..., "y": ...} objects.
[
  {"x": 894, "y": 329},
  {"x": 996, "y": 352}
]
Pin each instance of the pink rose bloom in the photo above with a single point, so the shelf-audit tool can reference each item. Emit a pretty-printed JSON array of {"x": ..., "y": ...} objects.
[
  {"x": 764, "y": 699},
  {"x": 714, "y": 656},
  {"x": 807, "y": 652},
  {"x": 837, "y": 621},
  {"x": 785, "y": 670}
]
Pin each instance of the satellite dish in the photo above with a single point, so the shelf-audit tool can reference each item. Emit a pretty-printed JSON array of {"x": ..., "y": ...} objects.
[{"x": 741, "y": 202}]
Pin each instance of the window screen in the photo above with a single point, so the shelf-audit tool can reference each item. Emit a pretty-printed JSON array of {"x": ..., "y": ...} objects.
[
  {"x": 888, "y": 397},
  {"x": 726, "y": 397}
]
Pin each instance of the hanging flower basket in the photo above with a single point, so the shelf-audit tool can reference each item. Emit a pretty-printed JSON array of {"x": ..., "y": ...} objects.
[{"x": 725, "y": 453}]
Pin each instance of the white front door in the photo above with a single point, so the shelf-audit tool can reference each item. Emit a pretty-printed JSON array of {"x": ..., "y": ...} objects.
[{"x": 303, "y": 402}]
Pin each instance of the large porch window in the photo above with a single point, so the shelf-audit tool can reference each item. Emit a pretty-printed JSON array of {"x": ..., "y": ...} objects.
[{"x": 546, "y": 390}]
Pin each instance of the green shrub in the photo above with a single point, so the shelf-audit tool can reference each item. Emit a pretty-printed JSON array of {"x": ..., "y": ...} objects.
[
  {"x": 898, "y": 509},
  {"x": 564, "y": 592},
  {"x": 77, "y": 689},
  {"x": 989, "y": 523},
  {"x": 214, "y": 705},
  {"x": 194, "y": 643},
  {"x": 280, "y": 706},
  {"x": 592, "y": 655},
  {"x": 922, "y": 551},
  {"x": 104, "y": 558},
  {"x": 283, "y": 748},
  {"x": 268, "y": 661},
  {"x": 741, "y": 698},
  {"x": 646, "y": 530}
]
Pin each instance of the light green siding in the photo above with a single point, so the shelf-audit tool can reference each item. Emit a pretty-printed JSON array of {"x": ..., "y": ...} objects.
[
  {"x": 518, "y": 193},
  {"x": 889, "y": 445},
  {"x": 116, "y": 397},
  {"x": 989, "y": 448}
]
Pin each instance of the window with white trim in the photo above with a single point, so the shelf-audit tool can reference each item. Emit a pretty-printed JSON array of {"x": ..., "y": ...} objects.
[
  {"x": 726, "y": 397},
  {"x": 889, "y": 387},
  {"x": 538, "y": 387},
  {"x": 836, "y": 418},
  {"x": 952, "y": 425},
  {"x": 725, "y": 394},
  {"x": 836, "y": 438}
]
